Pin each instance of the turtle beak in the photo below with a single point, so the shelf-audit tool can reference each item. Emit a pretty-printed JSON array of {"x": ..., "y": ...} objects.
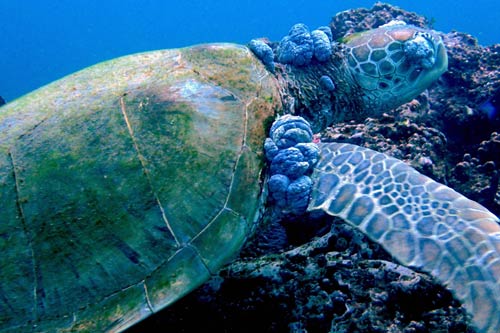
[{"x": 441, "y": 64}]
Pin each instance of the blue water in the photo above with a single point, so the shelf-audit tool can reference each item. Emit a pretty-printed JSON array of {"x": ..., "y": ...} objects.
[{"x": 44, "y": 40}]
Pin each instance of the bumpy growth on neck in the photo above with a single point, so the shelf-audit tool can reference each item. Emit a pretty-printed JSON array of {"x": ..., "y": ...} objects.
[{"x": 362, "y": 75}]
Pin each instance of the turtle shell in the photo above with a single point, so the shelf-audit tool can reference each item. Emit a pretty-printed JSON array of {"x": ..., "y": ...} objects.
[{"x": 126, "y": 185}]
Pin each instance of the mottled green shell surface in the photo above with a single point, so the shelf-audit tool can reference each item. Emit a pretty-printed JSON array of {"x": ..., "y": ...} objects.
[{"x": 125, "y": 185}]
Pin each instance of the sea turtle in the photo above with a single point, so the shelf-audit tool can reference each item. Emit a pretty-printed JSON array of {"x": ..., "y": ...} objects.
[{"x": 128, "y": 184}]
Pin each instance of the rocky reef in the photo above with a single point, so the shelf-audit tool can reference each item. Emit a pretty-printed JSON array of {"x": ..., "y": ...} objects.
[{"x": 321, "y": 275}]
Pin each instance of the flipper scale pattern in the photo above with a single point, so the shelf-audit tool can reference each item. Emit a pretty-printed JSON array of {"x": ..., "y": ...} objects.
[{"x": 420, "y": 222}]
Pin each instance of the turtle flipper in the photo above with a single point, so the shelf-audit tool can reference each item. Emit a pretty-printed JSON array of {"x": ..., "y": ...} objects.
[{"x": 420, "y": 222}]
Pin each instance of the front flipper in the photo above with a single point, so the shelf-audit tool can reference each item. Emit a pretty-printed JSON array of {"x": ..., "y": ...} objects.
[{"x": 420, "y": 222}]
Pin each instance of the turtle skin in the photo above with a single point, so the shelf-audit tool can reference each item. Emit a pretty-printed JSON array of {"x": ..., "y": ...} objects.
[
  {"x": 126, "y": 185},
  {"x": 421, "y": 223},
  {"x": 394, "y": 62}
]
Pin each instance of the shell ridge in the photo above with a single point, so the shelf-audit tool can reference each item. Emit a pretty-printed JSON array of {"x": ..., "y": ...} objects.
[
  {"x": 28, "y": 235},
  {"x": 146, "y": 295},
  {"x": 229, "y": 192},
  {"x": 122, "y": 323},
  {"x": 143, "y": 161},
  {"x": 235, "y": 167}
]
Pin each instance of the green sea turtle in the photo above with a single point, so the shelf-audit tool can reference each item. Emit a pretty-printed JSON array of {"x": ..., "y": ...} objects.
[{"x": 128, "y": 184}]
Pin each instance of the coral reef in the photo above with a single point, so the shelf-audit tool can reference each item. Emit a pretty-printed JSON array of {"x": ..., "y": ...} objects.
[
  {"x": 357, "y": 20},
  {"x": 316, "y": 275}
]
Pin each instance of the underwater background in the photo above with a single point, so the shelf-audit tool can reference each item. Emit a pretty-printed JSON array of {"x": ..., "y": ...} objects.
[
  {"x": 45, "y": 40},
  {"x": 326, "y": 276}
]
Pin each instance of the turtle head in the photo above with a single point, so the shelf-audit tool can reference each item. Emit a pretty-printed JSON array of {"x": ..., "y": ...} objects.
[{"x": 394, "y": 63}]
